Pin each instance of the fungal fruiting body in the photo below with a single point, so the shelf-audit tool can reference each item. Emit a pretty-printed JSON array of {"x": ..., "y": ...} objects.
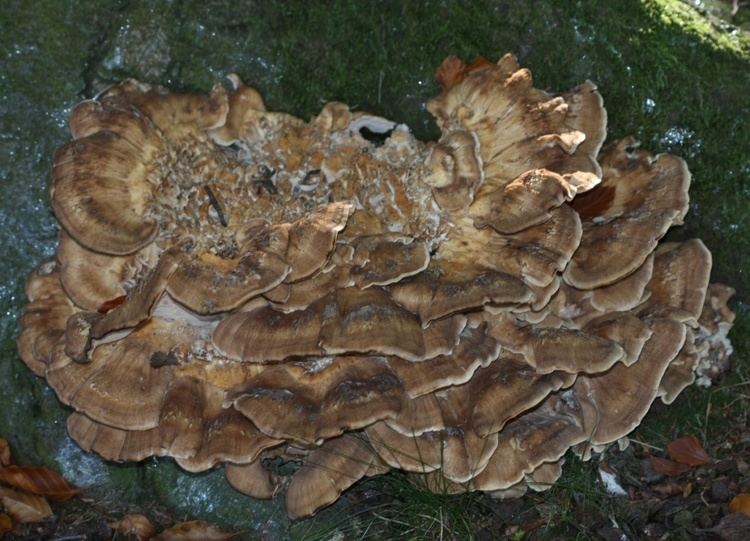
[{"x": 234, "y": 285}]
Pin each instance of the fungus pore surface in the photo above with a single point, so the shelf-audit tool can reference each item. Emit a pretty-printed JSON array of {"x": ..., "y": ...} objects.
[{"x": 235, "y": 286}]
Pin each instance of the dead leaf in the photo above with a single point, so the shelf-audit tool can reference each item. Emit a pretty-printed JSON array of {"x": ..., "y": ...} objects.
[
  {"x": 478, "y": 63},
  {"x": 450, "y": 72},
  {"x": 40, "y": 481},
  {"x": 740, "y": 504},
  {"x": 194, "y": 530},
  {"x": 688, "y": 450},
  {"x": 24, "y": 507},
  {"x": 138, "y": 526},
  {"x": 6, "y": 524},
  {"x": 664, "y": 466},
  {"x": 4, "y": 452}
]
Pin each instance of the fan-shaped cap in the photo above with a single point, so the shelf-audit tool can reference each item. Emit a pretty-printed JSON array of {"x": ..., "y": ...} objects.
[
  {"x": 178, "y": 117},
  {"x": 549, "y": 350},
  {"x": 626, "y": 293},
  {"x": 319, "y": 398},
  {"x": 640, "y": 197},
  {"x": 252, "y": 479},
  {"x": 508, "y": 387},
  {"x": 117, "y": 374},
  {"x": 135, "y": 308},
  {"x": 93, "y": 279},
  {"x": 475, "y": 349},
  {"x": 527, "y": 200},
  {"x": 42, "y": 321},
  {"x": 457, "y": 452},
  {"x": 681, "y": 371},
  {"x": 329, "y": 470},
  {"x": 348, "y": 320},
  {"x": 543, "y": 435},
  {"x": 614, "y": 403},
  {"x": 680, "y": 277},
  {"x": 244, "y": 102},
  {"x": 189, "y": 433},
  {"x": 384, "y": 259},
  {"x": 448, "y": 286},
  {"x": 454, "y": 169},
  {"x": 100, "y": 193}
]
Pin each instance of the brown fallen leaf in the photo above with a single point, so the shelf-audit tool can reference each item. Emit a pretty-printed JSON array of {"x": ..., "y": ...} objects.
[
  {"x": 194, "y": 530},
  {"x": 4, "y": 452},
  {"x": 478, "y": 63},
  {"x": 740, "y": 503},
  {"x": 664, "y": 466},
  {"x": 39, "y": 481},
  {"x": 688, "y": 450},
  {"x": 6, "y": 524},
  {"x": 450, "y": 72},
  {"x": 24, "y": 507},
  {"x": 135, "y": 525}
]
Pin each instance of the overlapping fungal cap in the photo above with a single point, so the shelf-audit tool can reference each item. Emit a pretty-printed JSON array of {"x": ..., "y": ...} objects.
[{"x": 240, "y": 288}]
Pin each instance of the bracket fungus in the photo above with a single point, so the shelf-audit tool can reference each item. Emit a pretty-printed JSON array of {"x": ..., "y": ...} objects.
[{"x": 235, "y": 286}]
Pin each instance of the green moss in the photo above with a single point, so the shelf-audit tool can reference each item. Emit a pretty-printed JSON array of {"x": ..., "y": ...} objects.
[{"x": 677, "y": 82}]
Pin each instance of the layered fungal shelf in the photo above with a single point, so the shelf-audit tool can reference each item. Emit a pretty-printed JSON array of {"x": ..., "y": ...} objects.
[{"x": 239, "y": 288}]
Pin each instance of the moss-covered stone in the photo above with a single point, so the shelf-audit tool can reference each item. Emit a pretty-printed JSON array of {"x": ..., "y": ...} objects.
[{"x": 668, "y": 75}]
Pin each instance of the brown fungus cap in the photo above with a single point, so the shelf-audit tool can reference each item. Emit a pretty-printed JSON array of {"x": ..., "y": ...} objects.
[
  {"x": 446, "y": 287},
  {"x": 100, "y": 193},
  {"x": 454, "y": 169},
  {"x": 318, "y": 398},
  {"x": 475, "y": 349},
  {"x": 615, "y": 402},
  {"x": 177, "y": 116},
  {"x": 543, "y": 435},
  {"x": 640, "y": 197},
  {"x": 43, "y": 320},
  {"x": 348, "y": 320},
  {"x": 252, "y": 479},
  {"x": 458, "y": 454},
  {"x": 243, "y": 102},
  {"x": 527, "y": 201},
  {"x": 329, "y": 470},
  {"x": 118, "y": 374},
  {"x": 198, "y": 441},
  {"x": 681, "y": 371},
  {"x": 93, "y": 280},
  {"x": 549, "y": 350},
  {"x": 134, "y": 309},
  {"x": 508, "y": 387},
  {"x": 680, "y": 277},
  {"x": 385, "y": 259}
]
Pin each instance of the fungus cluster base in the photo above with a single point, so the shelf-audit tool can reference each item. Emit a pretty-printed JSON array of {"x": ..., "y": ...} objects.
[{"x": 235, "y": 287}]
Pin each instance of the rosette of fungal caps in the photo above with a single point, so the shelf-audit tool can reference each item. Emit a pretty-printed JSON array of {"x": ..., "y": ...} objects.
[{"x": 236, "y": 288}]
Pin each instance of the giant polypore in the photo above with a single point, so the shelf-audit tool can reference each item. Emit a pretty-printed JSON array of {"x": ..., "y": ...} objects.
[{"x": 234, "y": 285}]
